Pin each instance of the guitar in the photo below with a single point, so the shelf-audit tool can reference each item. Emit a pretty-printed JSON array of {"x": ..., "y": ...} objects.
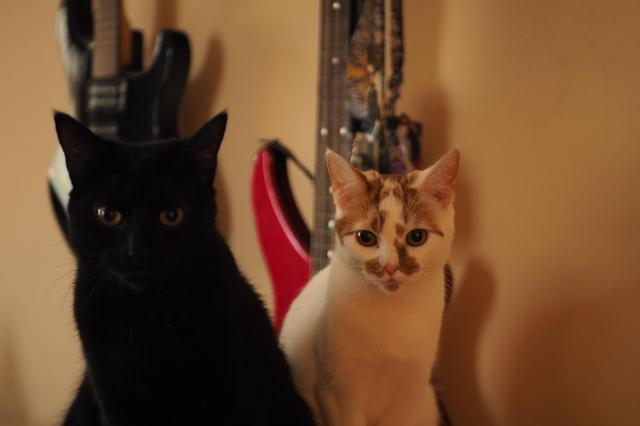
[
  {"x": 111, "y": 92},
  {"x": 356, "y": 119},
  {"x": 290, "y": 249}
]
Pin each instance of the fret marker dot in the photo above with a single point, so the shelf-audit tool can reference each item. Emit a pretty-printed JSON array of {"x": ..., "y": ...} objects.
[
  {"x": 331, "y": 224},
  {"x": 335, "y": 60},
  {"x": 330, "y": 254},
  {"x": 331, "y": 190},
  {"x": 324, "y": 132},
  {"x": 343, "y": 131},
  {"x": 336, "y": 5}
]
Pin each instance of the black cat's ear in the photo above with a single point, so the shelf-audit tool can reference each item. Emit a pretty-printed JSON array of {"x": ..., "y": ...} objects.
[
  {"x": 79, "y": 144},
  {"x": 204, "y": 145}
]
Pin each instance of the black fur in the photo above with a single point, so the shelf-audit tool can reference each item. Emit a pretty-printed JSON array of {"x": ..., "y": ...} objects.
[{"x": 171, "y": 331}]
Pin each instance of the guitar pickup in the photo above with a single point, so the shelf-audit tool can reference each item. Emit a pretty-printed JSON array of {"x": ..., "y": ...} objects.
[{"x": 107, "y": 96}]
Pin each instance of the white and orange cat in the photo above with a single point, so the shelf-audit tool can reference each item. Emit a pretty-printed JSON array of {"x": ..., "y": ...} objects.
[{"x": 362, "y": 337}]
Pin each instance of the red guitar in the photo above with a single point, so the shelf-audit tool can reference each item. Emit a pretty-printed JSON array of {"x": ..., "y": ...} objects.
[{"x": 350, "y": 123}]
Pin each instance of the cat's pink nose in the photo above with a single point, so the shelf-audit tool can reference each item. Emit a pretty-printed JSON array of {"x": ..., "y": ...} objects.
[{"x": 390, "y": 268}]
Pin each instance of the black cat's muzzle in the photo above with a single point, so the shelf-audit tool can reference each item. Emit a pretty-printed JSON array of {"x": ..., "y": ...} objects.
[{"x": 137, "y": 272}]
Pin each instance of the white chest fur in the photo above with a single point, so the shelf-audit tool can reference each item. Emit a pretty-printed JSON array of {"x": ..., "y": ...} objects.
[
  {"x": 401, "y": 326},
  {"x": 360, "y": 356}
]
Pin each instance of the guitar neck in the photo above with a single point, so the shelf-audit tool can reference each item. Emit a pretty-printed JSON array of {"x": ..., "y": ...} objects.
[
  {"x": 107, "y": 38},
  {"x": 333, "y": 121}
]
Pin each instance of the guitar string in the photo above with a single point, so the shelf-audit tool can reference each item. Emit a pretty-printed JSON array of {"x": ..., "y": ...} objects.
[
  {"x": 107, "y": 37},
  {"x": 316, "y": 240},
  {"x": 334, "y": 119},
  {"x": 325, "y": 137}
]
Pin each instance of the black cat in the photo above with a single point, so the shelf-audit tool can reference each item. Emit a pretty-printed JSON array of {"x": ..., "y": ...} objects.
[{"x": 172, "y": 333}]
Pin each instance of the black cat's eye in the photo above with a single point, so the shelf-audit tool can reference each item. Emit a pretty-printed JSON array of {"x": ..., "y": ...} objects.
[
  {"x": 171, "y": 217},
  {"x": 108, "y": 216},
  {"x": 366, "y": 238},
  {"x": 417, "y": 237}
]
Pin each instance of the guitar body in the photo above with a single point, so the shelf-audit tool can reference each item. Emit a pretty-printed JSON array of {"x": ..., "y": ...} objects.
[
  {"x": 140, "y": 105},
  {"x": 283, "y": 235}
]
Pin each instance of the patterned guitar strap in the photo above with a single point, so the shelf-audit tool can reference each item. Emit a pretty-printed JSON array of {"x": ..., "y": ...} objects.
[
  {"x": 402, "y": 136},
  {"x": 397, "y": 136}
]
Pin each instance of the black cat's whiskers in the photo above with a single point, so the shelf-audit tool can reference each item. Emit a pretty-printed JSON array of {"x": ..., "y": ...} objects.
[
  {"x": 67, "y": 293},
  {"x": 60, "y": 278},
  {"x": 55, "y": 260},
  {"x": 98, "y": 281},
  {"x": 59, "y": 262},
  {"x": 66, "y": 263}
]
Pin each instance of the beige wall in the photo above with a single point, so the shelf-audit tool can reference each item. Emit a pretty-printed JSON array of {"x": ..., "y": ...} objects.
[{"x": 542, "y": 100}]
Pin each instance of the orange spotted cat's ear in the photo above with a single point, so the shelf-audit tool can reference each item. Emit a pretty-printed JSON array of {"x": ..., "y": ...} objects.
[
  {"x": 349, "y": 184},
  {"x": 440, "y": 179}
]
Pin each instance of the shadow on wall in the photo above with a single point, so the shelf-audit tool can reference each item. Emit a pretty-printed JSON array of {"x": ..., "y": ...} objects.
[
  {"x": 474, "y": 291},
  {"x": 576, "y": 363},
  {"x": 461, "y": 334},
  {"x": 196, "y": 104},
  {"x": 435, "y": 118},
  {"x": 430, "y": 107},
  {"x": 195, "y": 110},
  {"x": 202, "y": 88},
  {"x": 165, "y": 14},
  {"x": 13, "y": 410}
]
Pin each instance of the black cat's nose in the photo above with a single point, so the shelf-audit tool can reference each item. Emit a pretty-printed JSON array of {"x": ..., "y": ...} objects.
[
  {"x": 137, "y": 266},
  {"x": 135, "y": 258},
  {"x": 135, "y": 250}
]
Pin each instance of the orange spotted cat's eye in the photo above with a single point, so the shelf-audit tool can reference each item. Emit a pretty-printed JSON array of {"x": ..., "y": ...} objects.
[
  {"x": 417, "y": 237},
  {"x": 171, "y": 217},
  {"x": 108, "y": 216},
  {"x": 366, "y": 238}
]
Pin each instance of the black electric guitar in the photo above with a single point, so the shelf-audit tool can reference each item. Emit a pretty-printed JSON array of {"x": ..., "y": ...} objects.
[{"x": 111, "y": 91}]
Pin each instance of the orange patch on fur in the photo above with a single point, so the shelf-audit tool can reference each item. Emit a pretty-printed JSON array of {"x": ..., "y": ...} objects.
[
  {"x": 378, "y": 222},
  {"x": 420, "y": 204},
  {"x": 407, "y": 264},
  {"x": 374, "y": 267},
  {"x": 363, "y": 209}
]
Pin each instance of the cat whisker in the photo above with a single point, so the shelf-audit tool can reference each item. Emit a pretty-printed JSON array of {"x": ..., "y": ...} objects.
[
  {"x": 59, "y": 278},
  {"x": 98, "y": 284},
  {"x": 431, "y": 268},
  {"x": 51, "y": 285}
]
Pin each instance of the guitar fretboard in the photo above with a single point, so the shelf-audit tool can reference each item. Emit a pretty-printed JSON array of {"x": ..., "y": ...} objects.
[
  {"x": 333, "y": 121},
  {"x": 107, "y": 18}
]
